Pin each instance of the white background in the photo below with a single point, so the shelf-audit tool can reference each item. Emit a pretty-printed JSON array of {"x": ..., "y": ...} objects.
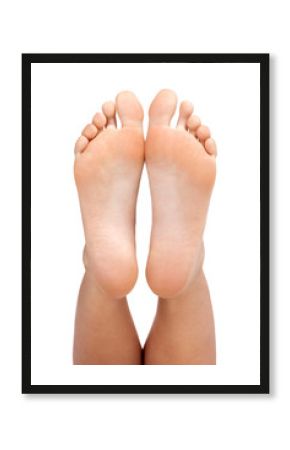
[
  {"x": 64, "y": 98},
  {"x": 203, "y": 421}
]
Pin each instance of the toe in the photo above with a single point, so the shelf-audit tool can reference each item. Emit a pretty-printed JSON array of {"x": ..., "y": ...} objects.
[
  {"x": 210, "y": 146},
  {"x": 90, "y": 131},
  {"x": 202, "y": 133},
  {"x": 109, "y": 110},
  {"x": 162, "y": 108},
  {"x": 193, "y": 122},
  {"x": 185, "y": 111},
  {"x": 81, "y": 144},
  {"x": 129, "y": 109},
  {"x": 99, "y": 120}
]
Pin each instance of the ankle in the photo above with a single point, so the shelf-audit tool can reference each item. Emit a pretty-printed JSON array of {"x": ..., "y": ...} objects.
[
  {"x": 114, "y": 278},
  {"x": 173, "y": 282}
]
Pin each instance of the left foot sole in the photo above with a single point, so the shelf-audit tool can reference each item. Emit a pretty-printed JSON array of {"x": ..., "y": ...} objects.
[{"x": 108, "y": 167}]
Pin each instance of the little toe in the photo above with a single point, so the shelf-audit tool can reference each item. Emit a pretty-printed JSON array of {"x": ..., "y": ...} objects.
[
  {"x": 162, "y": 108},
  {"x": 210, "y": 146},
  {"x": 109, "y": 110},
  {"x": 81, "y": 144},
  {"x": 99, "y": 120},
  {"x": 193, "y": 122},
  {"x": 129, "y": 109},
  {"x": 202, "y": 133},
  {"x": 90, "y": 131},
  {"x": 185, "y": 111}
]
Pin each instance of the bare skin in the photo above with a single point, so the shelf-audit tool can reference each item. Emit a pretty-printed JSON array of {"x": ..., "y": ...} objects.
[
  {"x": 104, "y": 329},
  {"x": 183, "y": 328},
  {"x": 108, "y": 166},
  {"x": 181, "y": 168}
]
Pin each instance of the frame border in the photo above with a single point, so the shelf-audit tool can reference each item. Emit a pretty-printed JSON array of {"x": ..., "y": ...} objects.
[{"x": 260, "y": 58}]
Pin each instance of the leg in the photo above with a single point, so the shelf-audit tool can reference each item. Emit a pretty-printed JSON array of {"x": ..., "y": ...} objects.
[
  {"x": 181, "y": 166},
  {"x": 183, "y": 329},
  {"x": 104, "y": 329},
  {"x": 108, "y": 167}
]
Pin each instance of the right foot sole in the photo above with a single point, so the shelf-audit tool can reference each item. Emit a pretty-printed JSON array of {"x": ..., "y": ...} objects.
[{"x": 181, "y": 168}]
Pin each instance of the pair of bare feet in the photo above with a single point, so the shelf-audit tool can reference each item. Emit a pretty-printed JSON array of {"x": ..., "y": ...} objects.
[{"x": 180, "y": 163}]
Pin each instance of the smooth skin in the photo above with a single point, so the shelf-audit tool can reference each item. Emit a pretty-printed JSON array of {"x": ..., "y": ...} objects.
[
  {"x": 108, "y": 166},
  {"x": 180, "y": 163},
  {"x": 181, "y": 168}
]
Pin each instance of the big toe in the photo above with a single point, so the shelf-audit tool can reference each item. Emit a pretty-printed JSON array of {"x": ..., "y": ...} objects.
[
  {"x": 129, "y": 109},
  {"x": 162, "y": 108}
]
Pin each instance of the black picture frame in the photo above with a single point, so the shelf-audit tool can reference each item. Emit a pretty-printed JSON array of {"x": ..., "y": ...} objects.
[{"x": 263, "y": 60}]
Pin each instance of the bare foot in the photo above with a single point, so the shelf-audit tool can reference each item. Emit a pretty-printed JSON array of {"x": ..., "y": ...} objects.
[
  {"x": 181, "y": 168},
  {"x": 108, "y": 167}
]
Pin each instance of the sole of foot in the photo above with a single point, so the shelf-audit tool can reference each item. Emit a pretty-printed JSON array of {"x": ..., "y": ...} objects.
[
  {"x": 181, "y": 167},
  {"x": 107, "y": 169}
]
